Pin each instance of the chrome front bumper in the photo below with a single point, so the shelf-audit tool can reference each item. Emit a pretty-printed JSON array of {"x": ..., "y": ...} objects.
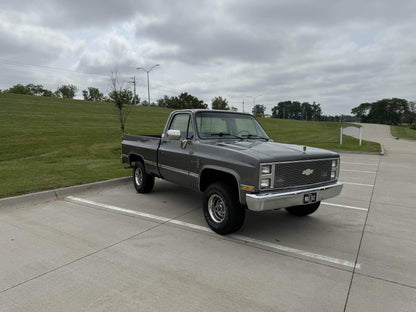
[{"x": 273, "y": 200}]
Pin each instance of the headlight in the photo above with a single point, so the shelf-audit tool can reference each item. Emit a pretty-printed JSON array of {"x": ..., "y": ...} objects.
[
  {"x": 267, "y": 169},
  {"x": 334, "y": 169},
  {"x": 265, "y": 183},
  {"x": 266, "y": 176}
]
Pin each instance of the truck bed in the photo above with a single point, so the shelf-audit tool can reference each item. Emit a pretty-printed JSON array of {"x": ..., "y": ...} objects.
[{"x": 145, "y": 146}]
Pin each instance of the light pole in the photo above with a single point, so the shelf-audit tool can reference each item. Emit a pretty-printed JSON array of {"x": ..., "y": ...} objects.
[
  {"x": 148, "y": 85},
  {"x": 254, "y": 99}
]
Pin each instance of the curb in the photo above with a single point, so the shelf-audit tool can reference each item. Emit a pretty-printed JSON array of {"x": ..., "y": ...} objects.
[
  {"x": 362, "y": 153},
  {"x": 59, "y": 193}
]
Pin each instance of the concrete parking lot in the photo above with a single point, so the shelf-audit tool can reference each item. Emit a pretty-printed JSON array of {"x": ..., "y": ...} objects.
[{"x": 108, "y": 248}]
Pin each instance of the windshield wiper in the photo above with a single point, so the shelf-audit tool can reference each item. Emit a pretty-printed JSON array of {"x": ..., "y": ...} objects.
[
  {"x": 254, "y": 136},
  {"x": 221, "y": 134}
]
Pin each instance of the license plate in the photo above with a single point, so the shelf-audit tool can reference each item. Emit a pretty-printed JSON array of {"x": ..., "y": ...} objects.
[{"x": 309, "y": 198}]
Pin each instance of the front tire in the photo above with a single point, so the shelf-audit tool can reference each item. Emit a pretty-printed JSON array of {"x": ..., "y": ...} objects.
[
  {"x": 143, "y": 182},
  {"x": 301, "y": 211},
  {"x": 222, "y": 209}
]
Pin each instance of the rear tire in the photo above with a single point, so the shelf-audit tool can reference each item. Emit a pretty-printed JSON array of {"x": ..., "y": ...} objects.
[
  {"x": 143, "y": 182},
  {"x": 222, "y": 209},
  {"x": 304, "y": 210}
]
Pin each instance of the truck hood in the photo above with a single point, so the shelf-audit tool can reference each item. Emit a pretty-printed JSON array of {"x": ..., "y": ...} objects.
[{"x": 269, "y": 151}]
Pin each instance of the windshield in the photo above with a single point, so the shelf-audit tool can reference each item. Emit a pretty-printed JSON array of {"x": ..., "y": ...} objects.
[{"x": 228, "y": 125}]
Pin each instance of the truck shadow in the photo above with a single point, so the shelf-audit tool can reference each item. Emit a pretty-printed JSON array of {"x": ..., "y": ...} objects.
[{"x": 274, "y": 225}]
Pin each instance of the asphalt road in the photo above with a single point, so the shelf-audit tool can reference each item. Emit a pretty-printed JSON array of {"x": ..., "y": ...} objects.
[{"x": 108, "y": 248}]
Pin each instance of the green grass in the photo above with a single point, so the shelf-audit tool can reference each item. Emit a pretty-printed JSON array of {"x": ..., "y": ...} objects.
[
  {"x": 403, "y": 132},
  {"x": 317, "y": 134},
  {"x": 48, "y": 143}
]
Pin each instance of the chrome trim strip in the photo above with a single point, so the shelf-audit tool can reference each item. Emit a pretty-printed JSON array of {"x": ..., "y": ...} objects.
[
  {"x": 194, "y": 175},
  {"x": 173, "y": 169},
  {"x": 188, "y": 173},
  {"x": 276, "y": 200}
]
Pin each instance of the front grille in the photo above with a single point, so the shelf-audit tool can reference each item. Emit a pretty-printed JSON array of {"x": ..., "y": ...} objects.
[{"x": 292, "y": 174}]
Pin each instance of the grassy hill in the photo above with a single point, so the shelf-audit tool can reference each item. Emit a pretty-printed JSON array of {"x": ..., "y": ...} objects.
[
  {"x": 48, "y": 143},
  {"x": 403, "y": 132}
]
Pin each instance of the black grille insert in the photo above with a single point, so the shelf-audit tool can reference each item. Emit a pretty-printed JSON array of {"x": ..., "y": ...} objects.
[{"x": 294, "y": 174}]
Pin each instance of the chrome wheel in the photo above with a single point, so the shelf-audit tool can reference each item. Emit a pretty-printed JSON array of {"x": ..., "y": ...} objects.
[
  {"x": 138, "y": 177},
  {"x": 217, "y": 208},
  {"x": 222, "y": 209},
  {"x": 143, "y": 182}
]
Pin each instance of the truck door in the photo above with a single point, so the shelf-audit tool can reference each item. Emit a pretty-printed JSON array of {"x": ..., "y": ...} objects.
[{"x": 174, "y": 155}]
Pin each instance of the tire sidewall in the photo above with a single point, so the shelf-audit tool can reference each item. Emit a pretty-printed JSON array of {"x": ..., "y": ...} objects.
[
  {"x": 147, "y": 180},
  {"x": 234, "y": 212}
]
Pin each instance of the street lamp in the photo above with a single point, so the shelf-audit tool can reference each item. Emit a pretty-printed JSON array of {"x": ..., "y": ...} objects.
[
  {"x": 254, "y": 99},
  {"x": 148, "y": 87}
]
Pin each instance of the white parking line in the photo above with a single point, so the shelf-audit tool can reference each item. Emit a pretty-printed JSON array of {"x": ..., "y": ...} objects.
[
  {"x": 236, "y": 237},
  {"x": 296, "y": 251},
  {"x": 111, "y": 207},
  {"x": 345, "y": 206},
  {"x": 355, "y": 158},
  {"x": 360, "y": 171},
  {"x": 361, "y": 164},
  {"x": 359, "y": 184}
]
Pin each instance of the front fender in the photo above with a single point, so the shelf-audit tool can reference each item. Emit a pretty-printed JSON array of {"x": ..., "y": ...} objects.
[{"x": 211, "y": 173}]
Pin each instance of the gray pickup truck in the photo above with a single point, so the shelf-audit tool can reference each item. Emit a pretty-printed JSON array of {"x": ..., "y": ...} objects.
[{"x": 229, "y": 157}]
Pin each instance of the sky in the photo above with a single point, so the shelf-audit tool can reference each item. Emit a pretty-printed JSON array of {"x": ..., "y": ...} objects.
[{"x": 335, "y": 53}]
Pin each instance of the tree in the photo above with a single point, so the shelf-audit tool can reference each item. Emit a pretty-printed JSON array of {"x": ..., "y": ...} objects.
[
  {"x": 287, "y": 110},
  {"x": 410, "y": 117},
  {"x": 184, "y": 100},
  {"x": 93, "y": 94},
  {"x": 316, "y": 111},
  {"x": 386, "y": 111},
  {"x": 306, "y": 111},
  {"x": 220, "y": 103},
  {"x": 275, "y": 112},
  {"x": 66, "y": 91},
  {"x": 258, "y": 110},
  {"x": 19, "y": 89},
  {"x": 361, "y": 111},
  {"x": 163, "y": 102},
  {"x": 46, "y": 92},
  {"x": 30, "y": 89},
  {"x": 122, "y": 99}
]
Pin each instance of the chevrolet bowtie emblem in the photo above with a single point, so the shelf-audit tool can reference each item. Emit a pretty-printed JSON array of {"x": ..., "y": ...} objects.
[{"x": 307, "y": 172}]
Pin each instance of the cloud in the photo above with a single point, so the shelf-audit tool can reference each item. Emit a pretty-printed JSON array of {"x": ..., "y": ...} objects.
[{"x": 337, "y": 53}]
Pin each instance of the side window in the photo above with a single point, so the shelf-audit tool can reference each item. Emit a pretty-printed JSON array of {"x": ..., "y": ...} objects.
[{"x": 183, "y": 123}]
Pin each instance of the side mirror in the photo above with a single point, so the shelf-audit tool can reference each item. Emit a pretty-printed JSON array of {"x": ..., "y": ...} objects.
[{"x": 174, "y": 134}]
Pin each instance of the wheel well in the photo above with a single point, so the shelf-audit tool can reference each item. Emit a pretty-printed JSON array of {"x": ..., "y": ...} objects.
[
  {"x": 209, "y": 176},
  {"x": 133, "y": 158}
]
